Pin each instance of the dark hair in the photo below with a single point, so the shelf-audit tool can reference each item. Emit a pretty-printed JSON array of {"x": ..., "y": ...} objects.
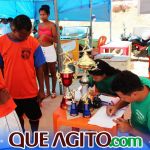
[
  {"x": 103, "y": 68},
  {"x": 22, "y": 22},
  {"x": 10, "y": 19},
  {"x": 45, "y": 8},
  {"x": 4, "y": 20},
  {"x": 126, "y": 82}
]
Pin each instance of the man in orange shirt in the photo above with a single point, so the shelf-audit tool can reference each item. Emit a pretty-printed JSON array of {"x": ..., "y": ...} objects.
[
  {"x": 8, "y": 118},
  {"x": 23, "y": 60}
]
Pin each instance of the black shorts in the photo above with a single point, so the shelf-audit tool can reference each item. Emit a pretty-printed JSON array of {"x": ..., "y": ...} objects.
[{"x": 29, "y": 107}]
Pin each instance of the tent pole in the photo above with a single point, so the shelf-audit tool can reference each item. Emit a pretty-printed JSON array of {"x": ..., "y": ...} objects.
[
  {"x": 91, "y": 24},
  {"x": 110, "y": 20},
  {"x": 59, "y": 49}
]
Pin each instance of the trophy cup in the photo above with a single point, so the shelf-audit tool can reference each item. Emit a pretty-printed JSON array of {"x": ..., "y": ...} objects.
[
  {"x": 66, "y": 77},
  {"x": 85, "y": 63}
]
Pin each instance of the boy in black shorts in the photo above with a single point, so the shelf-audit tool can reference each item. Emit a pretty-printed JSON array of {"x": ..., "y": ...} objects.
[{"x": 23, "y": 59}]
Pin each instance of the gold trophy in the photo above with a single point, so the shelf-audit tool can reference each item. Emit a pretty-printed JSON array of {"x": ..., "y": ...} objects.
[
  {"x": 85, "y": 63},
  {"x": 66, "y": 77}
]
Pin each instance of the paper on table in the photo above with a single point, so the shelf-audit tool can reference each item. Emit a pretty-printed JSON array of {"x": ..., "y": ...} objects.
[
  {"x": 109, "y": 99},
  {"x": 103, "y": 120}
]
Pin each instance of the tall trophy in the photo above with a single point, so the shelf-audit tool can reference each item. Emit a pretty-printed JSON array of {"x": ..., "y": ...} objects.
[
  {"x": 85, "y": 63},
  {"x": 66, "y": 77}
]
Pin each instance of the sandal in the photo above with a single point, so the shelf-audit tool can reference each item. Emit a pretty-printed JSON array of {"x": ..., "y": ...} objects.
[
  {"x": 53, "y": 95},
  {"x": 47, "y": 95}
]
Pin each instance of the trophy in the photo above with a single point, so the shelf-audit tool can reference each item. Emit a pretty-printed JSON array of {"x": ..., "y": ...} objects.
[
  {"x": 85, "y": 63},
  {"x": 85, "y": 106},
  {"x": 86, "y": 110},
  {"x": 66, "y": 77},
  {"x": 73, "y": 109}
]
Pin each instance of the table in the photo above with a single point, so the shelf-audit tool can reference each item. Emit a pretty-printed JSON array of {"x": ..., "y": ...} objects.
[
  {"x": 122, "y": 62},
  {"x": 124, "y": 45},
  {"x": 60, "y": 119}
]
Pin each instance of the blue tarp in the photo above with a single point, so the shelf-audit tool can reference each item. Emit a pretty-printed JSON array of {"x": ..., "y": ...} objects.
[
  {"x": 12, "y": 8},
  {"x": 70, "y": 10}
]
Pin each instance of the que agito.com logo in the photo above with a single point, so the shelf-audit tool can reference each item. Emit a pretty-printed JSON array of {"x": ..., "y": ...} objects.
[{"x": 73, "y": 139}]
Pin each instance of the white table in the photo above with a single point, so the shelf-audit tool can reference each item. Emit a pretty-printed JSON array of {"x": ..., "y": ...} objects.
[
  {"x": 119, "y": 62},
  {"x": 123, "y": 45}
]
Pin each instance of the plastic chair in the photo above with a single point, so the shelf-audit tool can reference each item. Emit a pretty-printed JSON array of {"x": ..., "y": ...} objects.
[{"x": 101, "y": 41}]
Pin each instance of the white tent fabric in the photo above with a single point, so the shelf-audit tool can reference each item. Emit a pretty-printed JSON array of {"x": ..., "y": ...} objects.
[{"x": 144, "y": 6}]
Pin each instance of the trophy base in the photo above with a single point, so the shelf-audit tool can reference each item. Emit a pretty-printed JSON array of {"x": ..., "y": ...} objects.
[
  {"x": 73, "y": 115},
  {"x": 73, "y": 110},
  {"x": 87, "y": 116}
]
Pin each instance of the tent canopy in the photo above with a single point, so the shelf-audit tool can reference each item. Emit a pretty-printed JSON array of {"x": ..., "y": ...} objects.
[{"x": 67, "y": 10}]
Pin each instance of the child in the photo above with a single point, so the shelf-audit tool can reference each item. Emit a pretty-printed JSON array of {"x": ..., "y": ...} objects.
[
  {"x": 8, "y": 118},
  {"x": 23, "y": 60},
  {"x": 132, "y": 89},
  {"x": 102, "y": 77}
]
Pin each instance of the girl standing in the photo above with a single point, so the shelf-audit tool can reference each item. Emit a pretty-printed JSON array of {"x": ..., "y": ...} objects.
[{"x": 47, "y": 37}]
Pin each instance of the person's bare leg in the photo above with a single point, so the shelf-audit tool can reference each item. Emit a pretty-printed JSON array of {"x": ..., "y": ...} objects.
[
  {"x": 46, "y": 78},
  {"x": 52, "y": 68}
]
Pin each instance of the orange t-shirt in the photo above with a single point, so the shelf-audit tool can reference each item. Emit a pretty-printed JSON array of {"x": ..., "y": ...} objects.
[
  {"x": 19, "y": 67},
  {"x": 9, "y": 106}
]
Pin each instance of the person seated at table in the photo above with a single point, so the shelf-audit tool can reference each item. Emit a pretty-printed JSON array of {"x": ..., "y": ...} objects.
[
  {"x": 135, "y": 90},
  {"x": 102, "y": 76}
]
